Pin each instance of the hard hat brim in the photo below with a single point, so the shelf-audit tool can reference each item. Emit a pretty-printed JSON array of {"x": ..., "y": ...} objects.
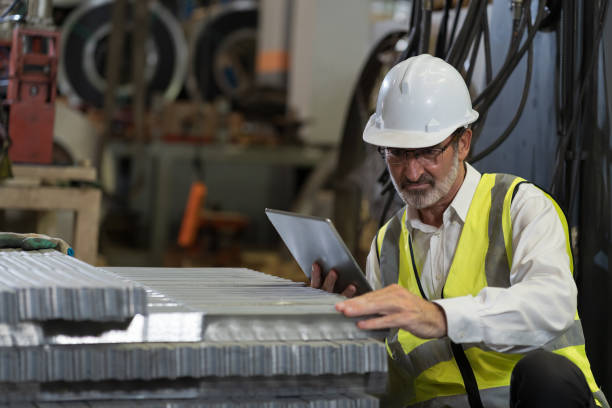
[{"x": 405, "y": 139}]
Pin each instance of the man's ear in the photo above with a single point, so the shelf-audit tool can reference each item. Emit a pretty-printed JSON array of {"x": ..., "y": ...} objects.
[{"x": 464, "y": 144}]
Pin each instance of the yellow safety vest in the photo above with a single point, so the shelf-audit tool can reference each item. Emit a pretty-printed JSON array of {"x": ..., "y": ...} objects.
[{"x": 426, "y": 372}]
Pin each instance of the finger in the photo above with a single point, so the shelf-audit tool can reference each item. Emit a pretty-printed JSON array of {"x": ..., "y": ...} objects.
[
  {"x": 368, "y": 298},
  {"x": 330, "y": 281},
  {"x": 349, "y": 291},
  {"x": 359, "y": 307},
  {"x": 392, "y": 291},
  {"x": 389, "y": 292},
  {"x": 383, "y": 322},
  {"x": 315, "y": 276},
  {"x": 357, "y": 301}
]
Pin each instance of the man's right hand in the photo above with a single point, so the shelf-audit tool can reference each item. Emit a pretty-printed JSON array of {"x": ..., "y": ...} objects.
[{"x": 330, "y": 282}]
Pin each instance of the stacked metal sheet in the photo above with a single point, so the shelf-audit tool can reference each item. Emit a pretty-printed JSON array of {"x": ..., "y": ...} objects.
[
  {"x": 350, "y": 400},
  {"x": 210, "y": 337},
  {"x": 47, "y": 285}
]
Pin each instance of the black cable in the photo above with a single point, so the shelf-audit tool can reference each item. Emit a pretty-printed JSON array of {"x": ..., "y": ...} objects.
[
  {"x": 442, "y": 31},
  {"x": 589, "y": 77},
  {"x": 495, "y": 87},
  {"x": 9, "y": 8},
  {"x": 528, "y": 75},
  {"x": 474, "y": 30},
  {"x": 500, "y": 78},
  {"x": 413, "y": 12},
  {"x": 487, "y": 45},
  {"x": 574, "y": 118},
  {"x": 556, "y": 81},
  {"x": 409, "y": 50},
  {"x": 413, "y": 37},
  {"x": 458, "y": 46},
  {"x": 487, "y": 50},
  {"x": 475, "y": 48},
  {"x": 566, "y": 83},
  {"x": 519, "y": 112},
  {"x": 416, "y": 28},
  {"x": 518, "y": 29},
  {"x": 588, "y": 51},
  {"x": 606, "y": 130},
  {"x": 517, "y": 115},
  {"x": 424, "y": 38},
  {"x": 458, "y": 7},
  {"x": 478, "y": 126}
]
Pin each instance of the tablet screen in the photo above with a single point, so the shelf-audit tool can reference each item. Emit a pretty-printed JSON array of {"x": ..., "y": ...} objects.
[{"x": 313, "y": 239}]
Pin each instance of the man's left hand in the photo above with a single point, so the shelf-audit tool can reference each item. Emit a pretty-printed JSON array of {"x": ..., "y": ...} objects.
[{"x": 399, "y": 309}]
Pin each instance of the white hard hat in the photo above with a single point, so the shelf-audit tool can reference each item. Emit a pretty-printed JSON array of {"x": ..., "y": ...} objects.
[{"x": 421, "y": 101}]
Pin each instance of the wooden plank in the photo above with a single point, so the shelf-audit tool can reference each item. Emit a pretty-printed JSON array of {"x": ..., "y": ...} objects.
[
  {"x": 84, "y": 201},
  {"x": 86, "y": 227},
  {"x": 46, "y": 198},
  {"x": 55, "y": 173}
]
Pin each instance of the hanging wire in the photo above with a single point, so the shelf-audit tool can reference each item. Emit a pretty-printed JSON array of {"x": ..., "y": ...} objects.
[
  {"x": 519, "y": 112},
  {"x": 589, "y": 74},
  {"x": 440, "y": 50},
  {"x": 468, "y": 40},
  {"x": 458, "y": 8},
  {"x": 10, "y": 8}
]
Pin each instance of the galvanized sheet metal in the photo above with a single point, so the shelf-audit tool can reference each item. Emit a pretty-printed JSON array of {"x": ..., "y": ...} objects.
[
  {"x": 251, "y": 330},
  {"x": 48, "y": 285}
]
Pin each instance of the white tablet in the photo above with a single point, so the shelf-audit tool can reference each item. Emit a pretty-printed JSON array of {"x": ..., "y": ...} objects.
[{"x": 313, "y": 239}]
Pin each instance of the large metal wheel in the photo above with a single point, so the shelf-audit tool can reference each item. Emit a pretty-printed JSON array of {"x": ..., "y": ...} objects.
[
  {"x": 84, "y": 46},
  {"x": 223, "y": 52}
]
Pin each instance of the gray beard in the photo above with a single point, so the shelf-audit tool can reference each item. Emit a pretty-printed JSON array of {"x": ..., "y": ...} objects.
[{"x": 427, "y": 198}]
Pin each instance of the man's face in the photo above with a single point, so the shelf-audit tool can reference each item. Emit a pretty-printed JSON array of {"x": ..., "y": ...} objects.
[{"x": 423, "y": 178}]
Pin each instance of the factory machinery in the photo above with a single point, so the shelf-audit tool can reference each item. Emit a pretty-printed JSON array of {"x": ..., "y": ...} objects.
[
  {"x": 29, "y": 55},
  {"x": 73, "y": 335},
  {"x": 36, "y": 60}
]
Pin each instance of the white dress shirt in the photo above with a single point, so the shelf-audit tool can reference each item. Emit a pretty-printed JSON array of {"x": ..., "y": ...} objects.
[{"x": 540, "y": 303}]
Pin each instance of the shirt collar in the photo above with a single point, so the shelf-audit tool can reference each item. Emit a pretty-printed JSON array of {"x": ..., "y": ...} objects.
[
  {"x": 460, "y": 204},
  {"x": 462, "y": 201}
]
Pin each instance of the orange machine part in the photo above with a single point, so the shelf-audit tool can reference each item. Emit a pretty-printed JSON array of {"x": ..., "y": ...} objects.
[{"x": 191, "y": 217}]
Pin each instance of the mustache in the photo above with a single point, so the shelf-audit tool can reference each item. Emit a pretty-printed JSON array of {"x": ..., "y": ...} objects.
[{"x": 424, "y": 179}]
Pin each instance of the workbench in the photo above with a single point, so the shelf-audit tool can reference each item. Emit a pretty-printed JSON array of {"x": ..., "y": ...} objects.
[
  {"x": 160, "y": 176},
  {"x": 35, "y": 187}
]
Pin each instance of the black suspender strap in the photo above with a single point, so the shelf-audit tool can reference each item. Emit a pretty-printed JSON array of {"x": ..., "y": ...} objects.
[
  {"x": 467, "y": 374},
  {"x": 469, "y": 380},
  {"x": 414, "y": 268},
  {"x": 376, "y": 245},
  {"x": 516, "y": 189}
]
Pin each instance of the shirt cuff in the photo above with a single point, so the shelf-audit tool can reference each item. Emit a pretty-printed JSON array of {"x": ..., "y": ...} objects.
[{"x": 462, "y": 319}]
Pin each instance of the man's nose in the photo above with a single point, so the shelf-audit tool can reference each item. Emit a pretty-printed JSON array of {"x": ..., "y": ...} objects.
[{"x": 413, "y": 170}]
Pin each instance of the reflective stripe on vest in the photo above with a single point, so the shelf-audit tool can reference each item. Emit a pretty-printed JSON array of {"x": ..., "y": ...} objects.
[{"x": 482, "y": 258}]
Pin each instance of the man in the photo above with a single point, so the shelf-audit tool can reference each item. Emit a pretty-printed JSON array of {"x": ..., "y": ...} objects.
[{"x": 476, "y": 270}]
